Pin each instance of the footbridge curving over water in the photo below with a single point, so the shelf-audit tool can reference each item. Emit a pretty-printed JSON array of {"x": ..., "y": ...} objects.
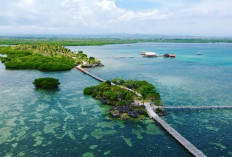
[
  {"x": 183, "y": 141},
  {"x": 150, "y": 110}
]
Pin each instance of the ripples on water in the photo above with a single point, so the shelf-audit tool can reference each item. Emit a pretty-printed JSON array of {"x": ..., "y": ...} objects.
[{"x": 67, "y": 123}]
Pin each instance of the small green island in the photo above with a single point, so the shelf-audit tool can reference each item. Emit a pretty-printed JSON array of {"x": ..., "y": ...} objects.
[
  {"x": 46, "y": 83},
  {"x": 126, "y": 96},
  {"x": 44, "y": 57}
]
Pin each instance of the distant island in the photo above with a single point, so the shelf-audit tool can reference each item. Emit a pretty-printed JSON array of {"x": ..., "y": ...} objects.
[
  {"x": 119, "y": 93},
  {"x": 44, "y": 57},
  {"x": 104, "y": 41}
]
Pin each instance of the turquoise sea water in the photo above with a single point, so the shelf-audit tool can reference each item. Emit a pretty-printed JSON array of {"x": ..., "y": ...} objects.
[{"x": 67, "y": 123}]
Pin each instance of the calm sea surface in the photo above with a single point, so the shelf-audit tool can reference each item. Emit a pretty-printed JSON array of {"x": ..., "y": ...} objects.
[{"x": 67, "y": 123}]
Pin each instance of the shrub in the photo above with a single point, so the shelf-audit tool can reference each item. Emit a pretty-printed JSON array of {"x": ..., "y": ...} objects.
[
  {"x": 108, "y": 82},
  {"x": 3, "y": 59},
  {"x": 159, "y": 110},
  {"x": 89, "y": 90},
  {"x": 118, "y": 81},
  {"x": 46, "y": 83},
  {"x": 122, "y": 103},
  {"x": 124, "y": 116}
]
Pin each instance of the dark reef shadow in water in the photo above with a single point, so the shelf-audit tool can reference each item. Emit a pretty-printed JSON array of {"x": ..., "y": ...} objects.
[{"x": 47, "y": 91}]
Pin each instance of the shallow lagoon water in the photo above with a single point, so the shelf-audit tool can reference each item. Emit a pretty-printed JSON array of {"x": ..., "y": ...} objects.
[{"x": 64, "y": 122}]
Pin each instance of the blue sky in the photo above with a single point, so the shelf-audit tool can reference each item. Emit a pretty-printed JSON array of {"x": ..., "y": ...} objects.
[
  {"x": 163, "y": 17},
  {"x": 136, "y": 4}
]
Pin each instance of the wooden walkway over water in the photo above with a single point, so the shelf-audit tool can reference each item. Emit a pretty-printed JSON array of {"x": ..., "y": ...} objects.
[
  {"x": 150, "y": 110},
  {"x": 88, "y": 73},
  {"x": 183, "y": 141},
  {"x": 102, "y": 80},
  {"x": 194, "y": 107}
]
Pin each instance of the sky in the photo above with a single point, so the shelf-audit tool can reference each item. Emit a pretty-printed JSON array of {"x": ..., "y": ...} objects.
[{"x": 158, "y": 17}]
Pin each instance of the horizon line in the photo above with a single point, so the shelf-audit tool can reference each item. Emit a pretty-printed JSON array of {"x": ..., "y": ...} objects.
[{"x": 112, "y": 35}]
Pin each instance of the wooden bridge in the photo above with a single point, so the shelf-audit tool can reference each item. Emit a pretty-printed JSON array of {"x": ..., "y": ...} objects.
[
  {"x": 193, "y": 107},
  {"x": 88, "y": 73},
  {"x": 102, "y": 80},
  {"x": 183, "y": 141},
  {"x": 150, "y": 110}
]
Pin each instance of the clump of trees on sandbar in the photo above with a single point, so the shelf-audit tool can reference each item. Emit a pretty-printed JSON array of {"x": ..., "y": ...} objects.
[
  {"x": 126, "y": 103},
  {"x": 46, "y": 83}
]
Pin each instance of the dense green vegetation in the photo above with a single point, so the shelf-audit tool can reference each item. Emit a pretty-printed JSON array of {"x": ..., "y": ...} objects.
[
  {"x": 124, "y": 101},
  {"x": 103, "y": 41},
  {"x": 43, "y": 57},
  {"x": 67, "y": 42},
  {"x": 147, "y": 90},
  {"x": 114, "y": 95},
  {"x": 46, "y": 83}
]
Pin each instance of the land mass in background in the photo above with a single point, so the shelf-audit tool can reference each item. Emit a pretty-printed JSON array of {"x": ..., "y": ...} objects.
[{"x": 72, "y": 41}]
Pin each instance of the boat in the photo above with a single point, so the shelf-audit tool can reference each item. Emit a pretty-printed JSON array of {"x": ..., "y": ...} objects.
[
  {"x": 198, "y": 53},
  {"x": 172, "y": 55},
  {"x": 128, "y": 45},
  {"x": 166, "y": 55},
  {"x": 149, "y": 54}
]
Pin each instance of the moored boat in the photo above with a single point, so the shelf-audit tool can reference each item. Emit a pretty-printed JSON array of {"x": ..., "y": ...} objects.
[
  {"x": 166, "y": 55},
  {"x": 198, "y": 53},
  {"x": 172, "y": 55}
]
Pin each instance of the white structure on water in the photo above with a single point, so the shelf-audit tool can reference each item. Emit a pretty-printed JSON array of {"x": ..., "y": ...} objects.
[{"x": 149, "y": 54}]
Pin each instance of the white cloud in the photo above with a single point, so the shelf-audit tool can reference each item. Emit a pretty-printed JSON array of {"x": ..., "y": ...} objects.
[
  {"x": 106, "y": 5},
  {"x": 202, "y": 17}
]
